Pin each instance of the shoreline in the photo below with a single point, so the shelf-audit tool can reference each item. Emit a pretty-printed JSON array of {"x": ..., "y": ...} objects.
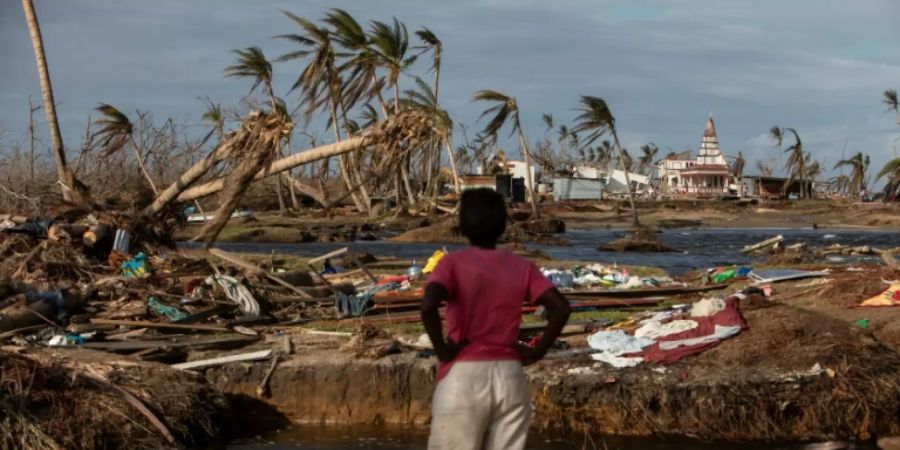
[{"x": 803, "y": 356}]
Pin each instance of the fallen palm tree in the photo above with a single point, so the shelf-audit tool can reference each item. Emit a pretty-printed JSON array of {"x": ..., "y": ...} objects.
[{"x": 249, "y": 149}]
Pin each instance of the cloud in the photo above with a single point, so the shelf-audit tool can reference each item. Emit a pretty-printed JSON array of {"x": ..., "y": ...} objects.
[{"x": 662, "y": 65}]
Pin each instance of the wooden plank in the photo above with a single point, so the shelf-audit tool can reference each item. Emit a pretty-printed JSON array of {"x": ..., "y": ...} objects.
[
  {"x": 633, "y": 293},
  {"x": 148, "y": 324},
  {"x": 132, "y": 345},
  {"x": 237, "y": 261},
  {"x": 203, "y": 363},
  {"x": 328, "y": 255}
]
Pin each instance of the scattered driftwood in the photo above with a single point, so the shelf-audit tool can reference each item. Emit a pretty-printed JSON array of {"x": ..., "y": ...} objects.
[
  {"x": 203, "y": 363},
  {"x": 237, "y": 261},
  {"x": 146, "y": 324},
  {"x": 763, "y": 246},
  {"x": 172, "y": 342}
]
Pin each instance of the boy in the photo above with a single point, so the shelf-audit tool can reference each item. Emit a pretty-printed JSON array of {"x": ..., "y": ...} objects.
[{"x": 482, "y": 400}]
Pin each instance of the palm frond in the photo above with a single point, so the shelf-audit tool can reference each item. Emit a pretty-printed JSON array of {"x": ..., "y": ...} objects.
[
  {"x": 890, "y": 99},
  {"x": 548, "y": 121},
  {"x": 777, "y": 134},
  {"x": 251, "y": 63},
  {"x": 595, "y": 118},
  {"x": 113, "y": 129}
]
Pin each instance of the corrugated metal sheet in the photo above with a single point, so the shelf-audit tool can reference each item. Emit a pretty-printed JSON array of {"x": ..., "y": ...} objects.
[{"x": 577, "y": 189}]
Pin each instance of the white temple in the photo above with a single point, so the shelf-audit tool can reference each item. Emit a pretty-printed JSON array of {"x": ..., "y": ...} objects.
[{"x": 706, "y": 176}]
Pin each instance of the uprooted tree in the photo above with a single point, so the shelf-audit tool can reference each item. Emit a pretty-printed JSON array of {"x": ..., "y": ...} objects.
[{"x": 248, "y": 151}]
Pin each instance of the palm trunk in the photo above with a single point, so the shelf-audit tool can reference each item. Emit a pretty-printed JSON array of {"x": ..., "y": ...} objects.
[
  {"x": 353, "y": 166},
  {"x": 396, "y": 95},
  {"x": 164, "y": 198},
  {"x": 342, "y": 162},
  {"x": 456, "y": 185},
  {"x": 65, "y": 177},
  {"x": 295, "y": 204},
  {"x": 615, "y": 135},
  {"x": 404, "y": 175},
  {"x": 280, "y": 194},
  {"x": 529, "y": 181},
  {"x": 281, "y": 165}
]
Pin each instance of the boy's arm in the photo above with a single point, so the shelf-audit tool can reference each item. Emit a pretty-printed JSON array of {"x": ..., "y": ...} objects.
[
  {"x": 435, "y": 293},
  {"x": 558, "y": 310}
]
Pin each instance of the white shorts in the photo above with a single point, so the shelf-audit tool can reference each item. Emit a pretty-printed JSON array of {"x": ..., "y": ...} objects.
[{"x": 481, "y": 405}]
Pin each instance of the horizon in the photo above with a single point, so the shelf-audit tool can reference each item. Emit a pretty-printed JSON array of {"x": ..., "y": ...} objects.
[{"x": 662, "y": 66}]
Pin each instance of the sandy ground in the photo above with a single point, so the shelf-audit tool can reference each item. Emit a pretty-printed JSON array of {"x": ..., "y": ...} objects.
[{"x": 721, "y": 214}]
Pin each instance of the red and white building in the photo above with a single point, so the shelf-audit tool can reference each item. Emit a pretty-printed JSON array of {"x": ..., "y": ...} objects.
[{"x": 706, "y": 176}]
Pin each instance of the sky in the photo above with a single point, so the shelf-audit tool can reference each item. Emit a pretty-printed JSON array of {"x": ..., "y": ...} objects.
[{"x": 663, "y": 66}]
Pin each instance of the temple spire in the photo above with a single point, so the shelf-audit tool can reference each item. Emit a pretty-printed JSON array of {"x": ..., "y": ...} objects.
[{"x": 710, "y": 130}]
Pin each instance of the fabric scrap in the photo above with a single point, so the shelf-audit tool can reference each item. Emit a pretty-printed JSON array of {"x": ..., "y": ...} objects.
[
  {"x": 653, "y": 330},
  {"x": 888, "y": 297},
  {"x": 707, "y": 307}
]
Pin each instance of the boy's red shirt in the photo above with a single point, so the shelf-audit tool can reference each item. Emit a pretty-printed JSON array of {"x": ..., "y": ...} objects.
[{"x": 487, "y": 290}]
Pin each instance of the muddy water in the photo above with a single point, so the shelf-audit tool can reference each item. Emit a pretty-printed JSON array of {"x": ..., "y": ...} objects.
[
  {"x": 345, "y": 438},
  {"x": 696, "y": 248}
]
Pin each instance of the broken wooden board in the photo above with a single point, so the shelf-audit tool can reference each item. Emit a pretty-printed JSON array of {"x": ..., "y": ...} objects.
[
  {"x": 182, "y": 342},
  {"x": 203, "y": 363},
  {"x": 649, "y": 292},
  {"x": 237, "y": 261},
  {"x": 147, "y": 324}
]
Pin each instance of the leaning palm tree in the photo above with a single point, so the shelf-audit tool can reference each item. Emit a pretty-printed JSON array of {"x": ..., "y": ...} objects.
[
  {"x": 890, "y": 99},
  {"x": 432, "y": 43},
  {"x": 63, "y": 174},
  {"x": 505, "y": 107},
  {"x": 252, "y": 63},
  {"x": 424, "y": 99},
  {"x": 597, "y": 119},
  {"x": 858, "y": 164},
  {"x": 796, "y": 163},
  {"x": 114, "y": 131},
  {"x": 391, "y": 43},
  {"x": 359, "y": 60},
  {"x": 320, "y": 84},
  {"x": 214, "y": 116}
]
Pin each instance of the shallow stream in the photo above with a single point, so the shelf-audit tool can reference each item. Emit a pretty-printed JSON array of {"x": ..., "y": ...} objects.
[
  {"x": 696, "y": 248},
  {"x": 369, "y": 438}
]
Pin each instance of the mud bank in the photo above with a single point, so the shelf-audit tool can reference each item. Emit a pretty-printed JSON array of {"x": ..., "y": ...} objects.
[
  {"x": 795, "y": 375},
  {"x": 81, "y": 399}
]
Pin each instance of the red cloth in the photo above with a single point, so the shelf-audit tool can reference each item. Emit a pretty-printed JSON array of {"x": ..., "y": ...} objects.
[
  {"x": 393, "y": 279},
  {"x": 728, "y": 317},
  {"x": 487, "y": 290}
]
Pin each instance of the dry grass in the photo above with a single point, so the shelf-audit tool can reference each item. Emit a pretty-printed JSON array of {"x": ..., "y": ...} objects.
[{"x": 49, "y": 403}]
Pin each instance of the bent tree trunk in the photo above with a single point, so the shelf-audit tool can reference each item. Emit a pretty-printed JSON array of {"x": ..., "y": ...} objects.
[
  {"x": 637, "y": 223},
  {"x": 62, "y": 170},
  {"x": 187, "y": 178},
  {"x": 281, "y": 165}
]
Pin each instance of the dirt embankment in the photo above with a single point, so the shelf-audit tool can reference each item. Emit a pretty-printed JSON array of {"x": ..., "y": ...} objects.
[
  {"x": 794, "y": 375},
  {"x": 731, "y": 214},
  {"x": 81, "y": 399}
]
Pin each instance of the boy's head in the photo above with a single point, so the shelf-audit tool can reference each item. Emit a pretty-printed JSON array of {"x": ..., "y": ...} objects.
[{"x": 482, "y": 217}]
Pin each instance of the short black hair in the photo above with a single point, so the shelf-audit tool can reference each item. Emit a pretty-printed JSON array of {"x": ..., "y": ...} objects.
[{"x": 482, "y": 217}]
